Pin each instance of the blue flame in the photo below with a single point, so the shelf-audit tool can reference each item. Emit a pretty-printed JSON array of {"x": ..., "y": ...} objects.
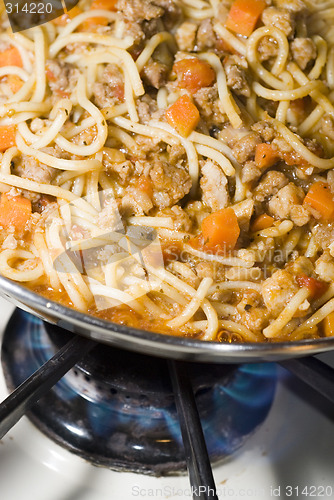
[{"x": 230, "y": 411}]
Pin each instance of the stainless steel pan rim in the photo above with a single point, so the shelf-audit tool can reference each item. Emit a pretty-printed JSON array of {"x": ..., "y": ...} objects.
[{"x": 156, "y": 344}]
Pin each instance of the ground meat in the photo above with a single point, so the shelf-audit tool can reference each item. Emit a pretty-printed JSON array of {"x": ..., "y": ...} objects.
[
  {"x": 270, "y": 184},
  {"x": 44, "y": 203},
  {"x": 62, "y": 77},
  {"x": 110, "y": 89},
  {"x": 231, "y": 135},
  {"x": 109, "y": 217},
  {"x": 323, "y": 235},
  {"x": 254, "y": 318},
  {"x": 29, "y": 168},
  {"x": 85, "y": 137},
  {"x": 303, "y": 51},
  {"x": 280, "y": 18},
  {"x": 206, "y": 38},
  {"x": 267, "y": 48},
  {"x": 176, "y": 153},
  {"x": 251, "y": 312},
  {"x": 186, "y": 36},
  {"x": 299, "y": 215},
  {"x": 57, "y": 152},
  {"x": 236, "y": 76},
  {"x": 244, "y": 149},
  {"x": 172, "y": 12},
  {"x": 209, "y": 105},
  {"x": 250, "y": 172},
  {"x": 181, "y": 219},
  {"x": 324, "y": 267},
  {"x": 214, "y": 186},
  {"x": 102, "y": 96},
  {"x": 170, "y": 183},
  {"x": 155, "y": 74},
  {"x": 265, "y": 129},
  {"x": 139, "y": 10},
  {"x": 278, "y": 290},
  {"x": 136, "y": 32},
  {"x": 287, "y": 204},
  {"x": 205, "y": 99},
  {"x": 146, "y": 146},
  {"x": 282, "y": 145},
  {"x": 146, "y": 106},
  {"x": 123, "y": 170}
]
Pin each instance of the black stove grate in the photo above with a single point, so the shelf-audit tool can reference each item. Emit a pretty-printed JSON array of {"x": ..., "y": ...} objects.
[{"x": 19, "y": 402}]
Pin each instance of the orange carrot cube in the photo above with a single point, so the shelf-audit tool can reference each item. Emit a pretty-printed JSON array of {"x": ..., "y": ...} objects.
[
  {"x": 183, "y": 115},
  {"x": 244, "y": 15}
]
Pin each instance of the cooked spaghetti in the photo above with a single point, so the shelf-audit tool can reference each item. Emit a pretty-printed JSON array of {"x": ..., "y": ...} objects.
[{"x": 168, "y": 164}]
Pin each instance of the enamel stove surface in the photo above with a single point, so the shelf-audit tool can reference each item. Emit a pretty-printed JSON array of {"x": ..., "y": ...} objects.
[{"x": 292, "y": 449}]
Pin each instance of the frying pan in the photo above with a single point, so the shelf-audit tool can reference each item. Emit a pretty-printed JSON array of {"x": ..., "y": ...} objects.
[{"x": 156, "y": 344}]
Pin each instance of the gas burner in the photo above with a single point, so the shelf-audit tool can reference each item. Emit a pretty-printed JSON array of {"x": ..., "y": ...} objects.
[{"x": 116, "y": 408}]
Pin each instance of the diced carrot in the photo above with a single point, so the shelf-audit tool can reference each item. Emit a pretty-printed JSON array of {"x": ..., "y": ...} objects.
[
  {"x": 183, "y": 115},
  {"x": 104, "y": 4},
  {"x": 92, "y": 22},
  {"x": 14, "y": 212},
  {"x": 221, "y": 229},
  {"x": 15, "y": 83},
  {"x": 193, "y": 74},
  {"x": 316, "y": 287},
  {"x": 321, "y": 199},
  {"x": 67, "y": 17},
  {"x": 244, "y": 15},
  {"x": 145, "y": 185},
  {"x": 328, "y": 325},
  {"x": 10, "y": 57},
  {"x": 261, "y": 222},
  {"x": 7, "y": 136},
  {"x": 265, "y": 155}
]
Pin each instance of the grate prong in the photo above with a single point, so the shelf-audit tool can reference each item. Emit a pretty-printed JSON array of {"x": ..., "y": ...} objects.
[
  {"x": 40, "y": 382},
  {"x": 314, "y": 373},
  {"x": 197, "y": 458}
]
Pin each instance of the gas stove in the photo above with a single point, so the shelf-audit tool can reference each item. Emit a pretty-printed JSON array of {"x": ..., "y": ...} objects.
[{"x": 287, "y": 455}]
